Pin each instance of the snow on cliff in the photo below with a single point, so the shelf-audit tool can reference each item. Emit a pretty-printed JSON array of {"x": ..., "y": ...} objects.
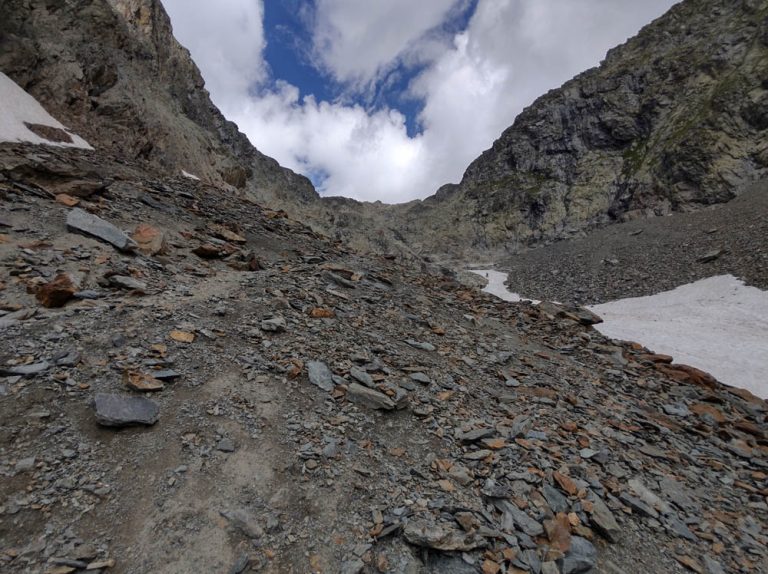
[{"x": 23, "y": 119}]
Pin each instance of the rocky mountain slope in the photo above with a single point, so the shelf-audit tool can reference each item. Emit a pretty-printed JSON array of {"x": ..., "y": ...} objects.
[
  {"x": 190, "y": 382},
  {"x": 644, "y": 257},
  {"x": 112, "y": 71},
  {"x": 673, "y": 120}
]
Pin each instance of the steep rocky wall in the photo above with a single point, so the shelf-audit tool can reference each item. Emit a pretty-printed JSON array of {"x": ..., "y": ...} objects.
[{"x": 113, "y": 70}]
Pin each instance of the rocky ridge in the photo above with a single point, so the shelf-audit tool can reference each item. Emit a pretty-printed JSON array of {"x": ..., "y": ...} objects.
[{"x": 293, "y": 406}]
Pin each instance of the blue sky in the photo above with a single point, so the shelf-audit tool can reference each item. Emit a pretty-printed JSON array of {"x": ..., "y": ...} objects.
[{"x": 388, "y": 100}]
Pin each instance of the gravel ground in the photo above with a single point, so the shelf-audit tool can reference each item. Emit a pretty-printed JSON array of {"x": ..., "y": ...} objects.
[{"x": 645, "y": 257}]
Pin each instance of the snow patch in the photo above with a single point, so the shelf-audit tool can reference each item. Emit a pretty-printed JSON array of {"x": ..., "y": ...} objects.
[
  {"x": 718, "y": 325},
  {"x": 18, "y": 108},
  {"x": 496, "y": 285}
]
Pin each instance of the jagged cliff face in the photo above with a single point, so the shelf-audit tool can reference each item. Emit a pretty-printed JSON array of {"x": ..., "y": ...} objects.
[
  {"x": 112, "y": 70},
  {"x": 674, "y": 119}
]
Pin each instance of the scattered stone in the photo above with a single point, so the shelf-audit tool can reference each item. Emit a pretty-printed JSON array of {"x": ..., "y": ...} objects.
[
  {"x": 182, "y": 336},
  {"x": 441, "y": 537},
  {"x": 25, "y": 464},
  {"x": 57, "y": 292},
  {"x": 580, "y": 558},
  {"x": 711, "y": 256},
  {"x": 226, "y": 445},
  {"x": 142, "y": 382},
  {"x": 362, "y": 377},
  {"x": 129, "y": 283},
  {"x": 120, "y": 410},
  {"x": 369, "y": 397},
  {"x": 29, "y": 370},
  {"x": 420, "y": 378},
  {"x": 274, "y": 325},
  {"x": 244, "y": 522},
  {"x": 603, "y": 520},
  {"x": 320, "y": 375},
  {"x": 421, "y": 345},
  {"x": 149, "y": 240}
]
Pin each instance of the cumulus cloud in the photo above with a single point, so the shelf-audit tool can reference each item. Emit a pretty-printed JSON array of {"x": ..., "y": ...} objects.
[
  {"x": 226, "y": 40},
  {"x": 471, "y": 85},
  {"x": 355, "y": 40}
]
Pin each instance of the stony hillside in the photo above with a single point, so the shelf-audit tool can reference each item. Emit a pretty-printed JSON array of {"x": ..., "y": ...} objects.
[
  {"x": 192, "y": 383},
  {"x": 673, "y": 120}
]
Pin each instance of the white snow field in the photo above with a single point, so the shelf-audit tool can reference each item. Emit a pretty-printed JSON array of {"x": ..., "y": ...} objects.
[
  {"x": 496, "y": 285},
  {"x": 718, "y": 325},
  {"x": 17, "y": 107}
]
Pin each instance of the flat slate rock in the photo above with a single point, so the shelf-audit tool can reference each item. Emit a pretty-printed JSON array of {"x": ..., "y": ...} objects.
[
  {"x": 320, "y": 375},
  {"x": 89, "y": 224},
  {"x": 121, "y": 411}
]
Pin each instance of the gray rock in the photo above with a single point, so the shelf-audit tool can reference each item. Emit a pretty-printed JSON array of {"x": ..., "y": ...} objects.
[
  {"x": 352, "y": 566},
  {"x": 712, "y": 565},
  {"x": 441, "y": 537},
  {"x": 603, "y": 520},
  {"x": 711, "y": 256},
  {"x": 420, "y": 378},
  {"x": 129, "y": 283},
  {"x": 580, "y": 558},
  {"x": 679, "y": 528},
  {"x": 638, "y": 505},
  {"x": 244, "y": 522},
  {"x": 362, "y": 377},
  {"x": 421, "y": 345},
  {"x": 320, "y": 375},
  {"x": 511, "y": 514},
  {"x": 678, "y": 410},
  {"x": 25, "y": 464},
  {"x": 374, "y": 399},
  {"x": 557, "y": 502},
  {"x": 25, "y": 370},
  {"x": 274, "y": 325},
  {"x": 89, "y": 224},
  {"x": 165, "y": 375},
  {"x": 476, "y": 435},
  {"x": 120, "y": 410},
  {"x": 226, "y": 445},
  {"x": 240, "y": 564}
]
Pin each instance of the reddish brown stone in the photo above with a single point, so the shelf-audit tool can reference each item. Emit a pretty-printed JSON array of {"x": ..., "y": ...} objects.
[
  {"x": 559, "y": 532},
  {"x": 67, "y": 200},
  {"x": 57, "y": 292},
  {"x": 702, "y": 409},
  {"x": 151, "y": 241}
]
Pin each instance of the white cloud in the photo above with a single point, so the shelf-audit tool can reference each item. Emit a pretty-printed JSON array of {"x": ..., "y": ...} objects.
[
  {"x": 226, "y": 40},
  {"x": 354, "y": 40},
  {"x": 472, "y": 87}
]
